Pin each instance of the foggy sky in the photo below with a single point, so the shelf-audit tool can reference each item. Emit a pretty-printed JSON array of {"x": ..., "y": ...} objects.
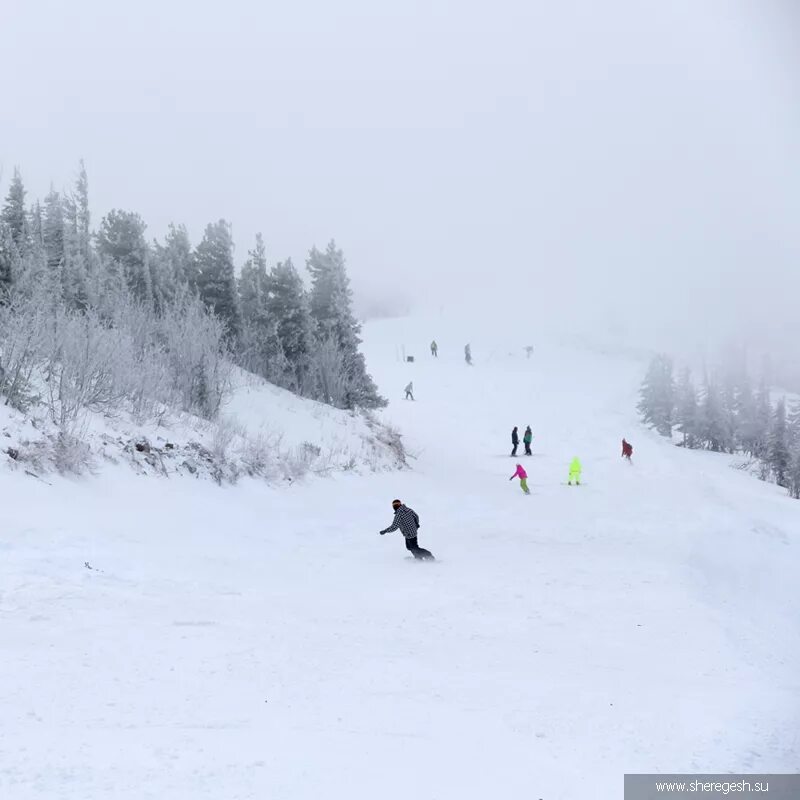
[{"x": 587, "y": 160}]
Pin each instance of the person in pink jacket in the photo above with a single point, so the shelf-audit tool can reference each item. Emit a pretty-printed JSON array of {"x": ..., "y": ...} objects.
[{"x": 523, "y": 478}]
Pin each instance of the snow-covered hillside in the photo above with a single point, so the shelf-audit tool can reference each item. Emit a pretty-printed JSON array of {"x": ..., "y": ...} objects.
[
  {"x": 172, "y": 638},
  {"x": 262, "y": 431}
]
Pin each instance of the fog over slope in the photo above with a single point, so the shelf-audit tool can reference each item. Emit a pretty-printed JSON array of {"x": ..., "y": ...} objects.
[{"x": 625, "y": 162}]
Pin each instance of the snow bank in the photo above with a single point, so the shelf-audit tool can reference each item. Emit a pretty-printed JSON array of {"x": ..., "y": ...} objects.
[{"x": 262, "y": 431}]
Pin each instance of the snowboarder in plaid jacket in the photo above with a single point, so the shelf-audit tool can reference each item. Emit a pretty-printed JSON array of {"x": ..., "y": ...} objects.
[{"x": 407, "y": 521}]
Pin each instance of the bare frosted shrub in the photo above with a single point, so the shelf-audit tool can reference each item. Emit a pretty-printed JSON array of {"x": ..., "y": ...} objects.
[{"x": 193, "y": 341}]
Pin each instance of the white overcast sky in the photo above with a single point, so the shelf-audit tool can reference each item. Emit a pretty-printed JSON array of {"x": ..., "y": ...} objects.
[{"x": 574, "y": 158}]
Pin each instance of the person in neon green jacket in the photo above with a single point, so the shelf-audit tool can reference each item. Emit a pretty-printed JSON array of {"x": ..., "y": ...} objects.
[{"x": 575, "y": 472}]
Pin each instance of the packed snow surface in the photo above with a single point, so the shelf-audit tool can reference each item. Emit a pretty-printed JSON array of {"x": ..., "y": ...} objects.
[{"x": 170, "y": 638}]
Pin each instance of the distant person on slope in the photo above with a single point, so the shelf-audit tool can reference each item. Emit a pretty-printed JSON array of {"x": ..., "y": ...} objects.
[
  {"x": 410, "y": 390},
  {"x": 527, "y": 439},
  {"x": 468, "y": 354},
  {"x": 434, "y": 349},
  {"x": 574, "y": 472},
  {"x": 514, "y": 441},
  {"x": 627, "y": 449},
  {"x": 523, "y": 478},
  {"x": 407, "y": 521}
]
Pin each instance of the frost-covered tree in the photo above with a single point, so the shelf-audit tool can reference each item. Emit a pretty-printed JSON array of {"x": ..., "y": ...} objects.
[
  {"x": 14, "y": 213},
  {"x": 216, "y": 279},
  {"x": 9, "y": 256},
  {"x": 687, "y": 412},
  {"x": 174, "y": 267},
  {"x": 657, "y": 395},
  {"x": 287, "y": 307},
  {"x": 778, "y": 455},
  {"x": 336, "y": 325},
  {"x": 713, "y": 428},
  {"x": 259, "y": 348},
  {"x": 75, "y": 281},
  {"x": 253, "y": 283},
  {"x": 53, "y": 231},
  {"x": 794, "y": 475},
  {"x": 794, "y": 425},
  {"x": 123, "y": 249},
  {"x": 763, "y": 419}
]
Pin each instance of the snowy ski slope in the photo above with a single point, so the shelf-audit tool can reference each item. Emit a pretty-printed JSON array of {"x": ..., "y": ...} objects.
[{"x": 248, "y": 642}]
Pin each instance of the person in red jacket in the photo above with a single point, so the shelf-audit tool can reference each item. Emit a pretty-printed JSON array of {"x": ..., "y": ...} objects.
[{"x": 627, "y": 449}]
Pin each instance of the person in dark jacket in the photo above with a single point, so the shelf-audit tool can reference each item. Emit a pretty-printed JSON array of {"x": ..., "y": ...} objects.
[
  {"x": 514, "y": 441},
  {"x": 407, "y": 521},
  {"x": 527, "y": 439}
]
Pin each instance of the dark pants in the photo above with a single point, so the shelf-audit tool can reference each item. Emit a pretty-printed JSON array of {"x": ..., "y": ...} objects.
[
  {"x": 528, "y": 449},
  {"x": 419, "y": 552},
  {"x": 514, "y": 449},
  {"x": 408, "y": 394}
]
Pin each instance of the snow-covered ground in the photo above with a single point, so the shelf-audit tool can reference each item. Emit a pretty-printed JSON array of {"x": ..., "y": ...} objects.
[
  {"x": 253, "y": 642},
  {"x": 262, "y": 431}
]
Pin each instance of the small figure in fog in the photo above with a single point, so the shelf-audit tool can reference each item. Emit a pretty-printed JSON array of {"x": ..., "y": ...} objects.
[
  {"x": 468, "y": 354},
  {"x": 410, "y": 391},
  {"x": 434, "y": 349},
  {"x": 574, "y": 472},
  {"x": 627, "y": 449}
]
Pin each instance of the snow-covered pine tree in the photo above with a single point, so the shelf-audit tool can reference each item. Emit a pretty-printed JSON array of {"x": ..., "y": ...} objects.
[
  {"x": 794, "y": 474},
  {"x": 290, "y": 347},
  {"x": 657, "y": 395},
  {"x": 687, "y": 412},
  {"x": 53, "y": 231},
  {"x": 746, "y": 419},
  {"x": 13, "y": 213},
  {"x": 794, "y": 425},
  {"x": 763, "y": 419},
  {"x": 259, "y": 349},
  {"x": 174, "y": 267},
  {"x": 216, "y": 278},
  {"x": 253, "y": 283},
  {"x": 9, "y": 256},
  {"x": 779, "y": 455},
  {"x": 74, "y": 269},
  {"x": 713, "y": 428},
  {"x": 336, "y": 326},
  {"x": 123, "y": 249}
]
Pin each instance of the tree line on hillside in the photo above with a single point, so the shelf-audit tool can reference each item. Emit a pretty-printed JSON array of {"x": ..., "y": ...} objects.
[
  {"x": 103, "y": 316},
  {"x": 726, "y": 413}
]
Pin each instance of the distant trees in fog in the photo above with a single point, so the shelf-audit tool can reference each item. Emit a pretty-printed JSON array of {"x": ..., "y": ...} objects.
[{"x": 728, "y": 413}]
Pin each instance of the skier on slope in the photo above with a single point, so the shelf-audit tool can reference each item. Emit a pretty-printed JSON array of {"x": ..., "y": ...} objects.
[
  {"x": 514, "y": 441},
  {"x": 407, "y": 521},
  {"x": 434, "y": 349},
  {"x": 574, "y": 472},
  {"x": 627, "y": 449},
  {"x": 468, "y": 354},
  {"x": 410, "y": 390},
  {"x": 523, "y": 478},
  {"x": 527, "y": 439}
]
